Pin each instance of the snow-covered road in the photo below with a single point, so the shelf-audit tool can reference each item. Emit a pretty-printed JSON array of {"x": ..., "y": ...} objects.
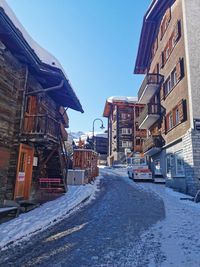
[
  {"x": 101, "y": 233},
  {"x": 128, "y": 224}
]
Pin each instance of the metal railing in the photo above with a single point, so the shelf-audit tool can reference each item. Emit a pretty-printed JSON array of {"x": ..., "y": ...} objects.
[
  {"x": 150, "y": 78},
  {"x": 153, "y": 141},
  {"x": 138, "y": 148},
  {"x": 141, "y": 133},
  {"x": 150, "y": 109}
]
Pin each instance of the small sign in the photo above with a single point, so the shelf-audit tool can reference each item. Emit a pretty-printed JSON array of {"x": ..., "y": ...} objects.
[
  {"x": 35, "y": 161},
  {"x": 197, "y": 124},
  {"x": 21, "y": 176}
]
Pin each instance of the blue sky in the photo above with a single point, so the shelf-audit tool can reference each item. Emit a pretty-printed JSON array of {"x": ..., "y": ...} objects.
[{"x": 96, "y": 41}]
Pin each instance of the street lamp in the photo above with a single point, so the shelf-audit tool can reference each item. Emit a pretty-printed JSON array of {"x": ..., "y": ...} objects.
[{"x": 101, "y": 127}]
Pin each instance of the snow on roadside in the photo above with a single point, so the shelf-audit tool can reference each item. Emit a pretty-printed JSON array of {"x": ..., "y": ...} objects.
[
  {"x": 48, "y": 214},
  {"x": 178, "y": 235}
]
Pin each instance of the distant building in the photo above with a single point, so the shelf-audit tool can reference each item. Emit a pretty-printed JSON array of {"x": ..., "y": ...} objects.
[
  {"x": 124, "y": 136},
  {"x": 169, "y": 56},
  {"x": 101, "y": 143}
]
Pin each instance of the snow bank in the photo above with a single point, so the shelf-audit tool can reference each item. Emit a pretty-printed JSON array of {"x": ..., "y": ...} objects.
[{"x": 39, "y": 219}]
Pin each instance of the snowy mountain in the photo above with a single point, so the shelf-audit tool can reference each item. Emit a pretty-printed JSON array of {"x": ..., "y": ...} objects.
[
  {"x": 83, "y": 135},
  {"x": 75, "y": 135}
]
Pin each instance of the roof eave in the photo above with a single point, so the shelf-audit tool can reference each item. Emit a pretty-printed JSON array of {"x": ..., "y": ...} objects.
[{"x": 37, "y": 64}]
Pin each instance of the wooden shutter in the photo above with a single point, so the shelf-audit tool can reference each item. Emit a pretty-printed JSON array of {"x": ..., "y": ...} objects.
[
  {"x": 177, "y": 31},
  {"x": 156, "y": 44},
  {"x": 162, "y": 92},
  {"x": 168, "y": 15},
  {"x": 170, "y": 44},
  {"x": 163, "y": 126},
  {"x": 181, "y": 111},
  {"x": 178, "y": 70},
  {"x": 174, "y": 116},
  {"x": 164, "y": 56},
  {"x": 161, "y": 60}
]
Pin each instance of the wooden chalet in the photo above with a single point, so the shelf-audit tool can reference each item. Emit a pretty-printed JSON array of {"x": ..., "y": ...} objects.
[
  {"x": 124, "y": 135},
  {"x": 34, "y": 96},
  {"x": 86, "y": 159}
]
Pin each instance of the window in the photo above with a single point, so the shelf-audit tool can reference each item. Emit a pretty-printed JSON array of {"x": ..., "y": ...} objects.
[
  {"x": 170, "y": 121},
  {"x": 138, "y": 142},
  {"x": 126, "y": 131},
  {"x": 167, "y": 86},
  {"x": 174, "y": 38},
  {"x": 157, "y": 169},
  {"x": 176, "y": 116},
  {"x": 137, "y": 112},
  {"x": 127, "y": 144},
  {"x": 176, "y": 75},
  {"x": 180, "y": 170},
  {"x": 169, "y": 163},
  {"x": 165, "y": 22},
  {"x": 173, "y": 78},
  {"x": 123, "y": 116}
]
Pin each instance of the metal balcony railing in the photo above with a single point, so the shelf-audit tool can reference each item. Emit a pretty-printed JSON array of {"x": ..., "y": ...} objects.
[
  {"x": 151, "y": 81},
  {"x": 153, "y": 142},
  {"x": 150, "y": 109}
]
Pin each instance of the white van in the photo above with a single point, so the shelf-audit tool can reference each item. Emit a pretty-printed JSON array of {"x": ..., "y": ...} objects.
[{"x": 138, "y": 169}]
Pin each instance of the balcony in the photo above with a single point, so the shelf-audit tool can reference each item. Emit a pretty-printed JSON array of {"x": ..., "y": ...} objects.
[
  {"x": 40, "y": 128},
  {"x": 149, "y": 87},
  {"x": 141, "y": 133},
  {"x": 153, "y": 144},
  {"x": 138, "y": 148},
  {"x": 150, "y": 114}
]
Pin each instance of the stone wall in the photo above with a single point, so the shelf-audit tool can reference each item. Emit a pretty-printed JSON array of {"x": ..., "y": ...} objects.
[{"x": 191, "y": 150}]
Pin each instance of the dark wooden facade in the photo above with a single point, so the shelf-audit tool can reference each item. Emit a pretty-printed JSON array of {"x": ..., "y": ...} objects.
[
  {"x": 32, "y": 118},
  {"x": 124, "y": 135}
]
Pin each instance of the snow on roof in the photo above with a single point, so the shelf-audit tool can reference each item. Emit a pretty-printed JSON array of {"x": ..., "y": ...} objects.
[
  {"x": 127, "y": 99},
  {"x": 42, "y": 54}
]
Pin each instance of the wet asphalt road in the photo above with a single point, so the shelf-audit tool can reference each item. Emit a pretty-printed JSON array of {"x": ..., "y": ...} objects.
[{"x": 102, "y": 233}]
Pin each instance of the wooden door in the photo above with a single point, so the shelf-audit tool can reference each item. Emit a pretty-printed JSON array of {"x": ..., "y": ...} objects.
[
  {"x": 31, "y": 107},
  {"x": 24, "y": 172}
]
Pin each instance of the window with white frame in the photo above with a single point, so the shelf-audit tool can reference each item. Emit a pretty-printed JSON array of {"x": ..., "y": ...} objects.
[
  {"x": 167, "y": 86},
  {"x": 126, "y": 131},
  {"x": 170, "y": 120},
  {"x": 173, "y": 78},
  {"x": 169, "y": 163},
  {"x": 180, "y": 170},
  {"x": 177, "y": 115},
  {"x": 123, "y": 116},
  {"x": 127, "y": 144}
]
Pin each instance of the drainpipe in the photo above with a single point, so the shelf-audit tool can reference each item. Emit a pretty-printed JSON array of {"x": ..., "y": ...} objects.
[
  {"x": 23, "y": 99},
  {"x": 59, "y": 86}
]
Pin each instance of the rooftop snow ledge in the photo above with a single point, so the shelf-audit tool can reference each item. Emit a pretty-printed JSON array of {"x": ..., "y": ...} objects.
[
  {"x": 44, "y": 56},
  {"x": 127, "y": 99}
]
